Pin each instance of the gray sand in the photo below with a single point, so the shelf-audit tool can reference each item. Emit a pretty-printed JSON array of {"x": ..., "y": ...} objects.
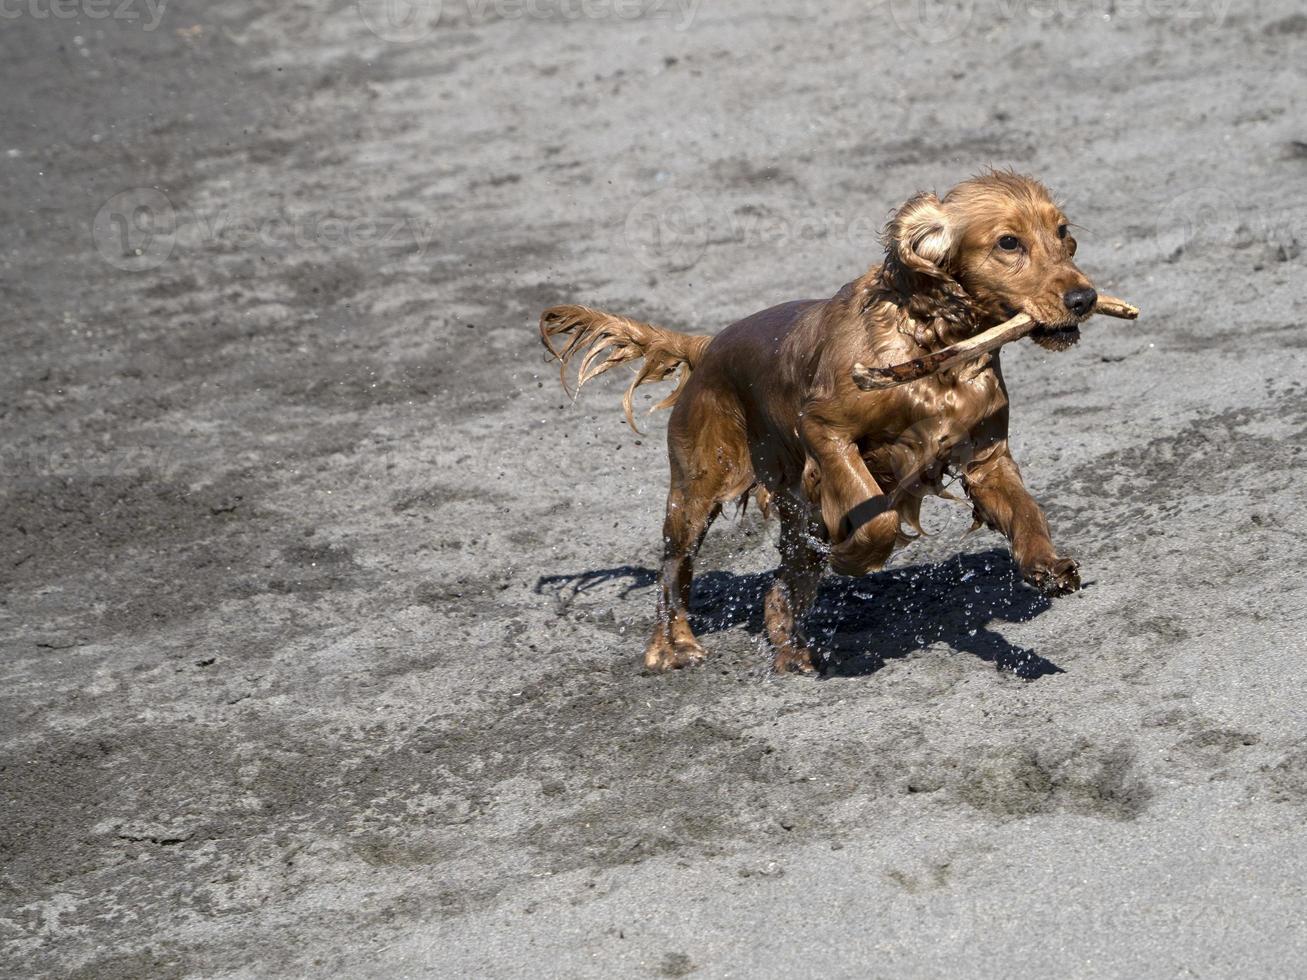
[{"x": 323, "y": 606}]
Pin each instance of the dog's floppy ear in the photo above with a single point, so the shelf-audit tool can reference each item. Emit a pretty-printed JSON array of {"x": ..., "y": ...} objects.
[{"x": 920, "y": 236}]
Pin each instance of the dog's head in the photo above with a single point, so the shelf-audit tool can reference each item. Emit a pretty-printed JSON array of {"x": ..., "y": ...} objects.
[{"x": 1006, "y": 244}]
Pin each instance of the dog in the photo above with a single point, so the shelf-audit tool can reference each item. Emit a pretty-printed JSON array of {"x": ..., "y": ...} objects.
[{"x": 767, "y": 407}]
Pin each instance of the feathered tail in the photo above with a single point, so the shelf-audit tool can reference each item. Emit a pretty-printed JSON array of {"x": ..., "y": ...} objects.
[{"x": 614, "y": 340}]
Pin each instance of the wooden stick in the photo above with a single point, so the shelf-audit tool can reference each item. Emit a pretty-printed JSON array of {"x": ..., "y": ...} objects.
[
  {"x": 1119, "y": 308},
  {"x": 877, "y": 378}
]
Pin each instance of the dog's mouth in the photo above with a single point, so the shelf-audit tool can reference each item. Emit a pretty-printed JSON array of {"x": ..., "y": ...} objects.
[
  {"x": 1056, "y": 337},
  {"x": 1051, "y": 336}
]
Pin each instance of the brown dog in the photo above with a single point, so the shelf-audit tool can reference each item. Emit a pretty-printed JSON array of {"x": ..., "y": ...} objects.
[{"x": 770, "y": 406}]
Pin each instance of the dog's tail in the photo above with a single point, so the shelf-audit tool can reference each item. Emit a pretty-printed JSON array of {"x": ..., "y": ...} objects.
[{"x": 614, "y": 340}]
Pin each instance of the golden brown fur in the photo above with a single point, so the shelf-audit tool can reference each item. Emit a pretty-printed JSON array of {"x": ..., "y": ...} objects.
[{"x": 768, "y": 404}]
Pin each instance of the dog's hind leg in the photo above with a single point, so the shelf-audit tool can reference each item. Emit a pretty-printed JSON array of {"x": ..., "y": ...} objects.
[
  {"x": 709, "y": 459},
  {"x": 795, "y": 586},
  {"x": 690, "y": 512}
]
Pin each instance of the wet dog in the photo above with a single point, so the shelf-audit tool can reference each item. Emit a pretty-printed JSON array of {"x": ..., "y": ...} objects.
[{"x": 768, "y": 405}]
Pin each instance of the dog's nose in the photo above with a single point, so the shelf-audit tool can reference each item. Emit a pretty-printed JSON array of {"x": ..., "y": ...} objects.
[{"x": 1081, "y": 302}]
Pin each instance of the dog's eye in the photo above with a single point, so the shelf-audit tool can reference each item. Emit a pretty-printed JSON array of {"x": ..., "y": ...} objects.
[
  {"x": 1062, "y": 231},
  {"x": 1009, "y": 243}
]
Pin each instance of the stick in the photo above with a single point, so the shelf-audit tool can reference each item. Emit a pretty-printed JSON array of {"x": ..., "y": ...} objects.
[
  {"x": 1119, "y": 308},
  {"x": 877, "y": 378}
]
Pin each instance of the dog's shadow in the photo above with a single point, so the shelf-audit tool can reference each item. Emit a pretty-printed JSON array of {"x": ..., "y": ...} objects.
[{"x": 860, "y": 623}]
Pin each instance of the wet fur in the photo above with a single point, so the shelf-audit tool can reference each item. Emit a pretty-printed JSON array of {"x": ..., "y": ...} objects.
[{"x": 768, "y": 405}]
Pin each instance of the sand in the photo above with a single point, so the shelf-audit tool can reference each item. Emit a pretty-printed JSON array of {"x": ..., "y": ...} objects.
[{"x": 323, "y": 606}]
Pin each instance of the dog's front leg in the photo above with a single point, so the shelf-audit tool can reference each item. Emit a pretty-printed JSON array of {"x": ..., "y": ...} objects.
[
  {"x": 1002, "y": 502},
  {"x": 862, "y": 527}
]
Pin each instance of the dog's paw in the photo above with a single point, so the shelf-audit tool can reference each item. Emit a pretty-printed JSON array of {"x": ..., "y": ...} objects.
[
  {"x": 796, "y": 660},
  {"x": 663, "y": 655},
  {"x": 1059, "y": 577}
]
